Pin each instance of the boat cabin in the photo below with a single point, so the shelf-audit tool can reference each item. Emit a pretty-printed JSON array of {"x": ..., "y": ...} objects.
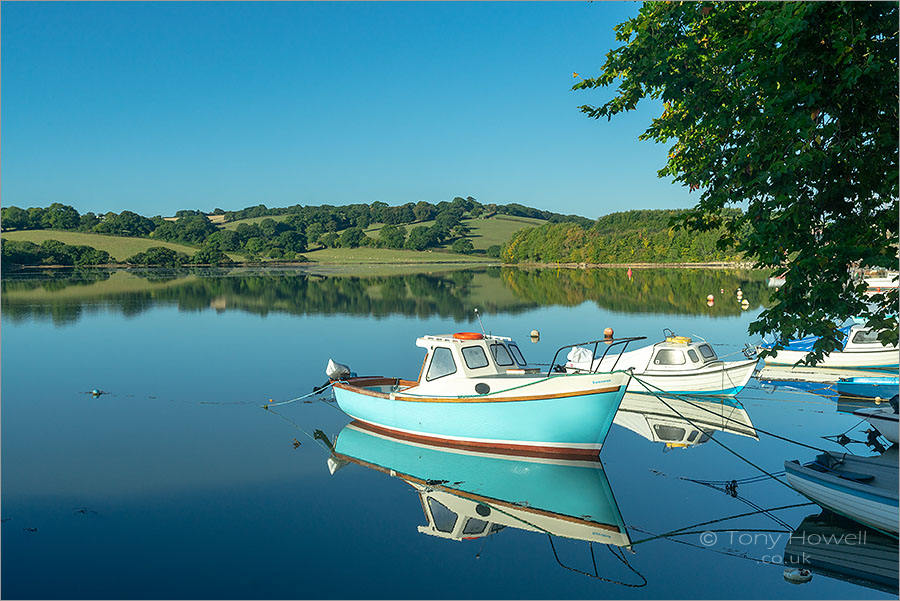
[
  {"x": 470, "y": 355},
  {"x": 860, "y": 338},
  {"x": 680, "y": 353},
  {"x": 674, "y": 354}
]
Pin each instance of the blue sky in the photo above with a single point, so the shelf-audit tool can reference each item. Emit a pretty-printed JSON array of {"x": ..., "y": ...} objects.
[{"x": 155, "y": 107}]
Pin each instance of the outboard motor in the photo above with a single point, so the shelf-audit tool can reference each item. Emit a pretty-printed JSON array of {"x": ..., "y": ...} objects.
[{"x": 336, "y": 371}]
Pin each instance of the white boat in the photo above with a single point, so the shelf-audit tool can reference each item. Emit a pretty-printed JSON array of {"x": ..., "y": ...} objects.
[
  {"x": 863, "y": 489},
  {"x": 682, "y": 422},
  {"x": 860, "y": 348},
  {"x": 883, "y": 419},
  {"x": 676, "y": 365},
  {"x": 881, "y": 283}
]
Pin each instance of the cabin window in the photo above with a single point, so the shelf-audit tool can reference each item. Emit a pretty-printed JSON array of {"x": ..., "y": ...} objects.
[
  {"x": 517, "y": 355},
  {"x": 865, "y": 337},
  {"x": 693, "y": 355},
  {"x": 669, "y": 432},
  {"x": 707, "y": 351},
  {"x": 501, "y": 355},
  {"x": 692, "y": 435},
  {"x": 669, "y": 357},
  {"x": 442, "y": 364},
  {"x": 474, "y": 357},
  {"x": 444, "y": 519},
  {"x": 474, "y": 526}
]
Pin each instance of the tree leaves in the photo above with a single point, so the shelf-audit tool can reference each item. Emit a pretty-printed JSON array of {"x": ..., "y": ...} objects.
[{"x": 788, "y": 109}]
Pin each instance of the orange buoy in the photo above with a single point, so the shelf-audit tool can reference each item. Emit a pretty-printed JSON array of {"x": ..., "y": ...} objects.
[{"x": 468, "y": 336}]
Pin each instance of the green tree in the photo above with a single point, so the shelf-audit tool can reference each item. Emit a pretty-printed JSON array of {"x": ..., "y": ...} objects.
[
  {"x": 420, "y": 238},
  {"x": 14, "y": 218},
  {"x": 788, "y": 108},
  {"x": 159, "y": 256},
  {"x": 210, "y": 255},
  {"x": 351, "y": 237},
  {"x": 392, "y": 236},
  {"x": 462, "y": 246}
]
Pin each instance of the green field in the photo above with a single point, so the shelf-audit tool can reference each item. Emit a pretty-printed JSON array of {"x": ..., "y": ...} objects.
[
  {"x": 387, "y": 255},
  {"x": 119, "y": 247},
  {"x": 485, "y": 232},
  {"x": 497, "y": 230}
]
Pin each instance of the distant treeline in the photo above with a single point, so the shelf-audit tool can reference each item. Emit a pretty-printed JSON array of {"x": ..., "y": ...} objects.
[
  {"x": 302, "y": 226},
  {"x": 630, "y": 236},
  {"x": 54, "y": 252}
]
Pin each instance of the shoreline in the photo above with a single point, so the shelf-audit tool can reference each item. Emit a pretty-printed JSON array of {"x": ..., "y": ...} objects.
[{"x": 407, "y": 264}]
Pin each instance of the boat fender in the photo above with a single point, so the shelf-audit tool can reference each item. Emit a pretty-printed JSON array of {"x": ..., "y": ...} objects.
[
  {"x": 468, "y": 336},
  {"x": 797, "y": 575}
]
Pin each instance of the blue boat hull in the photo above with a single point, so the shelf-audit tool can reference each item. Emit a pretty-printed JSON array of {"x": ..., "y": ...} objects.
[
  {"x": 573, "y": 425},
  {"x": 576, "y": 491}
]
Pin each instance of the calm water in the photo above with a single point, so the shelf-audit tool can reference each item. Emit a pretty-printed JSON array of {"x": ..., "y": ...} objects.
[{"x": 176, "y": 483}]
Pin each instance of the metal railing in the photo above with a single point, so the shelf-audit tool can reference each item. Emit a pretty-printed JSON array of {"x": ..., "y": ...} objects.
[{"x": 608, "y": 343}]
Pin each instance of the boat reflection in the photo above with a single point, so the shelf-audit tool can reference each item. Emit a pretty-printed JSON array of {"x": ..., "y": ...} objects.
[
  {"x": 683, "y": 421},
  {"x": 467, "y": 495},
  {"x": 839, "y": 548}
]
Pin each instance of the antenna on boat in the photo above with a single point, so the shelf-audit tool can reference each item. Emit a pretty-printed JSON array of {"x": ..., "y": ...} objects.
[{"x": 479, "y": 321}]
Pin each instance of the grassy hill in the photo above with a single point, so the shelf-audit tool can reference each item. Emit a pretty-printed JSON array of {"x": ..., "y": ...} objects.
[{"x": 119, "y": 247}]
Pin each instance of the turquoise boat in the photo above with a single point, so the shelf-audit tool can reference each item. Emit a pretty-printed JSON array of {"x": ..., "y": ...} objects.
[
  {"x": 467, "y": 494},
  {"x": 477, "y": 391}
]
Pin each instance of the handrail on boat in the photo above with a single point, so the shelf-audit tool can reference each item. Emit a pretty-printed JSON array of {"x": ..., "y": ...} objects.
[{"x": 608, "y": 342}]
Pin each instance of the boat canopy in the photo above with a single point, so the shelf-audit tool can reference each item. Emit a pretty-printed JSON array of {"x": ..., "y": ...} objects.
[{"x": 805, "y": 344}]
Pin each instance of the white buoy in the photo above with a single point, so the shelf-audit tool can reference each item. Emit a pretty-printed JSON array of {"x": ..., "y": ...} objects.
[
  {"x": 535, "y": 334},
  {"x": 710, "y": 303},
  {"x": 745, "y": 304},
  {"x": 710, "y": 297}
]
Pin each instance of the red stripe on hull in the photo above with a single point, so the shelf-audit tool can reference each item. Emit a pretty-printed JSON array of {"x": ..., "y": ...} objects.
[{"x": 485, "y": 447}]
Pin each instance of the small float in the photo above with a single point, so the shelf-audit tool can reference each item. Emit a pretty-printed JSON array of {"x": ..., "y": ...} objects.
[
  {"x": 860, "y": 348},
  {"x": 478, "y": 391},
  {"x": 678, "y": 364}
]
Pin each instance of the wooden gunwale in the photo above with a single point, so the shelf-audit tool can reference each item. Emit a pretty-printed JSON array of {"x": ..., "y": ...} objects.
[{"x": 358, "y": 385}]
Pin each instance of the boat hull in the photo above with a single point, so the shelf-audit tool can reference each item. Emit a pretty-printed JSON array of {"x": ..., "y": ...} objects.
[
  {"x": 888, "y": 357},
  {"x": 869, "y": 388},
  {"x": 871, "y": 506},
  {"x": 572, "y": 423},
  {"x": 884, "y": 420},
  {"x": 722, "y": 380}
]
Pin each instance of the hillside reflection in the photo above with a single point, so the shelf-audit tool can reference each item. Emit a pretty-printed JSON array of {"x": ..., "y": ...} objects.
[{"x": 64, "y": 295}]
